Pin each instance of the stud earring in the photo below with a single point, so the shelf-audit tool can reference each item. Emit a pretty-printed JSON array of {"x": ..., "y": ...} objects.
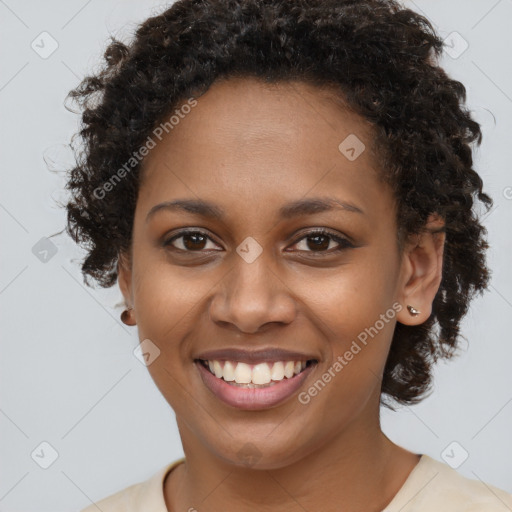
[
  {"x": 125, "y": 316},
  {"x": 413, "y": 311}
]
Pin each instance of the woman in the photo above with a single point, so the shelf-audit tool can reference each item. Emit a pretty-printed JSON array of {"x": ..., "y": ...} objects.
[{"x": 284, "y": 193}]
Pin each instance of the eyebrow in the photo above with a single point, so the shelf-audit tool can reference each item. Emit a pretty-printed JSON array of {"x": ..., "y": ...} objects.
[{"x": 294, "y": 209}]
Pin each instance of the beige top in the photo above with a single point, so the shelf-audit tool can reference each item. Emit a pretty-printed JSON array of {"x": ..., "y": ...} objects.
[{"x": 432, "y": 486}]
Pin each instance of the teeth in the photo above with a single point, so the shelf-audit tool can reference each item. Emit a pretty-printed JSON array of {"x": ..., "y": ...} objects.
[
  {"x": 217, "y": 368},
  {"x": 289, "y": 368},
  {"x": 243, "y": 373},
  {"x": 262, "y": 373},
  {"x": 228, "y": 372},
  {"x": 277, "y": 371}
]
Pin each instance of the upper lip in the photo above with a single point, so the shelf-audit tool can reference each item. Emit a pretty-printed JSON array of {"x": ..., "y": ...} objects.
[{"x": 254, "y": 356}]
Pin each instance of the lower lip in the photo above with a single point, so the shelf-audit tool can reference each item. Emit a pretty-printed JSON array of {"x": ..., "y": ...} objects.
[{"x": 253, "y": 398}]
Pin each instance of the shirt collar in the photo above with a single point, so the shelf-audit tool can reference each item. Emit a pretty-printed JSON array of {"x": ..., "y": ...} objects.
[{"x": 150, "y": 495}]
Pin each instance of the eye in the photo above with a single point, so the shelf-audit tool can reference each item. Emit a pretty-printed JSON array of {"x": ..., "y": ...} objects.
[
  {"x": 319, "y": 241},
  {"x": 189, "y": 241}
]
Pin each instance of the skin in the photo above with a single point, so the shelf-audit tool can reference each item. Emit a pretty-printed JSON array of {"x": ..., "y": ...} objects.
[{"x": 250, "y": 148}]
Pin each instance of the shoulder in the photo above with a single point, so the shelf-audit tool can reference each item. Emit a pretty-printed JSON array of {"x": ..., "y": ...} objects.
[
  {"x": 141, "y": 496},
  {"x": 435, "y": 486},
  {"x": 117, "y": 502}
]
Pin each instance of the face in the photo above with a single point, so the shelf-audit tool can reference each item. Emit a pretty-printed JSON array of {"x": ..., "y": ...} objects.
[{"x": 257, "y": 281}]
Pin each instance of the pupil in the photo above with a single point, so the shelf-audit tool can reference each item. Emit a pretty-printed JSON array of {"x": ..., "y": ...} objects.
[
  {"x": 195, "y": 237},
  {"x": 319, "y": 244}
]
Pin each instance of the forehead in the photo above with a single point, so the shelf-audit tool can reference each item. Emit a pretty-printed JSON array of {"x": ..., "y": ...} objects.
[
  {"x": 254, "y": 142},
  {"x": 246, "y": 112}
]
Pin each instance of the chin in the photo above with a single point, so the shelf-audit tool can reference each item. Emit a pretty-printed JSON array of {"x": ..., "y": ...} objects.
[{"x": 262, "y": 451}]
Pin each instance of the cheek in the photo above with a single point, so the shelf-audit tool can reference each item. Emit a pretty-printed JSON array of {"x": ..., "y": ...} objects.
[
  {"x": 167, "y": 303},
  {"x": 350, "y": 298},
  {"x": 352, "y": 308},
  {"x": 167, "y": 297}
]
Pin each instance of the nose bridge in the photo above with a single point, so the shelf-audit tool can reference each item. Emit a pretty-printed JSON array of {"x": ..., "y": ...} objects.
[
  {"x": 252, "y": 262},
  {"x": 252, "y": 277},
  {"x": 251, "y": 294}
]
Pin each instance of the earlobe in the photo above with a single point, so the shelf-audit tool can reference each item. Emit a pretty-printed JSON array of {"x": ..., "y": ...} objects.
[
  {"x": 124, "y": 279},
  {"x": 413, "y": 311},
  {"x": 422, "y": 272}
]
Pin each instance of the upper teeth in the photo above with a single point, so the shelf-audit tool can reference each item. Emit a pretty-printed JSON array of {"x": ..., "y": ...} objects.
[{"x": 261, "y": 373}]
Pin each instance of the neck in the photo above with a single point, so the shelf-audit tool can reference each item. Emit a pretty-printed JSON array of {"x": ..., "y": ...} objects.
[{"x": 360, "y": 468}]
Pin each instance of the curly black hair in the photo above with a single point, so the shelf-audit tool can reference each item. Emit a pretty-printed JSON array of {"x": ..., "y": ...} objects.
[{"x": 381, "y": 59}]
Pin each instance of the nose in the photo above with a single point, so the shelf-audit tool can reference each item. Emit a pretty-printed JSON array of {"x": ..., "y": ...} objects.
[{"x": 251, "y": 297}]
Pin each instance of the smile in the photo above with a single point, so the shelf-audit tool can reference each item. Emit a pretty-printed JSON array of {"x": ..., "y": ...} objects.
[{"x": 253, "y": 386}]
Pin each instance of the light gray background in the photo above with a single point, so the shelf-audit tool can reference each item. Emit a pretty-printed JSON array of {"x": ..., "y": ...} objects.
[{"x": 68, "y": 374}]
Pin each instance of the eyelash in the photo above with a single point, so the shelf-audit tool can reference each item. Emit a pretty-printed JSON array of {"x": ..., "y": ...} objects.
[{"x": 343, "y": 242}]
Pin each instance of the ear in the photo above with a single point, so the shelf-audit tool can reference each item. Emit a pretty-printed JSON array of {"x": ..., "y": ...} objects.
[
  {"x": 421, "y": 272},
  {"x": 124, "y": 278}
]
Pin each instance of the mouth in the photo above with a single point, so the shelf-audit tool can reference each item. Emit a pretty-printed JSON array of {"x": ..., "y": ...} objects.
[{"x": 254, "y": 386}]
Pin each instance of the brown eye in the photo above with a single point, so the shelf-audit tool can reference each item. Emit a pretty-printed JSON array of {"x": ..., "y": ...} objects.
[
  {"x": 189, "y": 241},
  {"x": 321, "y": 242},
  {"x": 318, "y": 242}
]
